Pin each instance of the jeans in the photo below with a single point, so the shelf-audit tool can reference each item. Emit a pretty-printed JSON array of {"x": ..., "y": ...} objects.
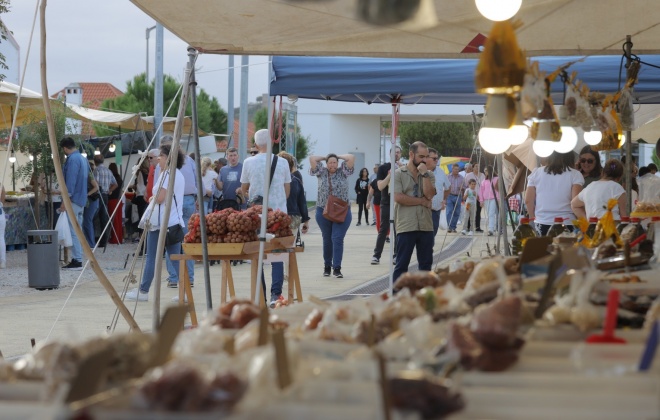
[
  {"x": 3, "y": 247},
  {"x": 406, "y": 242},
  {"x": 76, "y": 253},
  {"x": 468, "y": 216},
  {"x": 188, "y": 210},
  {"x": 435, "y": 217},
  {"x": 150, "y": 263},
  {"x": 491, "y": 211},
  {"x": 363, "y": 206},
  {"x": 383, "y": 231},
  {"x": 88, "y": 222},
  {"x": 333, "y": 238},
  {"x": 277, "y": 272},
  {"x": 453, "y": 211}
]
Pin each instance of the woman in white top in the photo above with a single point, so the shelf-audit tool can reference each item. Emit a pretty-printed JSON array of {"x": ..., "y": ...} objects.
[
  {"x": 154, "y": 216},
  {"x": 592, "y": 201},
  {"x": 208, "y": 180},
  {"x": 550, "y": 190}
]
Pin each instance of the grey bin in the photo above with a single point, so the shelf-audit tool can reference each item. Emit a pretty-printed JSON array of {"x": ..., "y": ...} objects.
[{"x": 43, "y": 259}]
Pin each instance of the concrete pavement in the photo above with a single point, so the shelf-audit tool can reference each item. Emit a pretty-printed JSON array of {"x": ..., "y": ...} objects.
[{"x": 88, "y": 311}]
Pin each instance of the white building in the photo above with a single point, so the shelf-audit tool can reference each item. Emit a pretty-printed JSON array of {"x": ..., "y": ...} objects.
[{"x": 351, "y": 127}]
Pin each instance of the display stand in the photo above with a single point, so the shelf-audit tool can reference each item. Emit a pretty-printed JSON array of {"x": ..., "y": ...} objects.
[{"x": 240, "y": 251}]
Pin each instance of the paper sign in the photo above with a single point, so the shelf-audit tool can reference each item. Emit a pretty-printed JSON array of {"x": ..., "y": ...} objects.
[
  {"x": 170, "y": 327},
  {"x": 90, "y": 375}
]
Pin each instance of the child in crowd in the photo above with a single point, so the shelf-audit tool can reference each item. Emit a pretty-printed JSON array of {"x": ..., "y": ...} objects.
[{"x": 470, "y": 197}]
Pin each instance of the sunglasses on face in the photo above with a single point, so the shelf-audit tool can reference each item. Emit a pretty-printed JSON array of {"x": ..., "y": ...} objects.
[
  {"x": 589, "y": 161},
  {"x": 253, "y": 153},
  {"x": 434, "y": 158}
]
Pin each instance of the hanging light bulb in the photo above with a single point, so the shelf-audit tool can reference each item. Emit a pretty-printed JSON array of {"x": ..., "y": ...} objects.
[
  {"x": 593, "y": 137},
  {"x": 622, "y": 139},
  {"x": 84, "y": 154},
  {"x": 519, "y": 132},
  {"x": 498, "y": 10},
  {"x": 112, "y": 148},
  {"x": 543, "y": 148},
  {"x": 568, "y": 140},
  {"x": 12, "y": 158},
  {"x": 97, "y": 152},
  {"x": 31, "y": 158},
  {"x": 494, "y": 136}
]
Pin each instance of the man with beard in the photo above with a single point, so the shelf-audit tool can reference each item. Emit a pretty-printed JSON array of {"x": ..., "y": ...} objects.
[{"x": 414, "y": 189}]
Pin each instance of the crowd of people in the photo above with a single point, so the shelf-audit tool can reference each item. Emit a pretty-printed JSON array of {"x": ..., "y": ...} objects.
[{"x": 564, "y": 186}]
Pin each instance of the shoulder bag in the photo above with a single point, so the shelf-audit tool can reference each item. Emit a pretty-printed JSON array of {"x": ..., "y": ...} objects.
[
  {"x": 258, "y": 200},
  {"x": 335, "y": 208},
  {"x": 174, "y": 233}
]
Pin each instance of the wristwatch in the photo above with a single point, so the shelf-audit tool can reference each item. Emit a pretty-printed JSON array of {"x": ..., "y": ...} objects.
[{"x": 426, "y": 174}]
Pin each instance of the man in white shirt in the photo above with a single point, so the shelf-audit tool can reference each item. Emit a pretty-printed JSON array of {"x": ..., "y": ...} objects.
[
  {"x": 253, "y": 185},
  {"x": 441, "y": 185}
]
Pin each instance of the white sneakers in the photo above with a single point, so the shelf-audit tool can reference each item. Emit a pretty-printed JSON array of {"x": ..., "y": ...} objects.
[
  {"x": 175, "y": 299},
  {"x": 469, "y": 233},
  {"x": 135, "y": 294}
]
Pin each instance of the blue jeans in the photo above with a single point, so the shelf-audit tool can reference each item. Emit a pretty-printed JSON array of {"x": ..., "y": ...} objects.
[
  {"x": 453, "y": 211},
  {"x": 333, "y": 238},
  {"x": 435, "y": 216},
  {"x": 277, "y": 270},
  {"x": 150, "y": 264},
  {"x": 405, "y": 244},
  {"x": 188, "y": 210},
  {"x": 88, "y": 222},
  {"x": 76, "y": 253}
]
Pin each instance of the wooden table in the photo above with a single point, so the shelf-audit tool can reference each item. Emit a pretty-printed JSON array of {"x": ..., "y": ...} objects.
[{"x": 240, "y": 251}]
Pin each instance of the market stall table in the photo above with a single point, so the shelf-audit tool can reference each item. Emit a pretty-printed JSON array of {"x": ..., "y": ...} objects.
[{"x": 238, "y": 251}]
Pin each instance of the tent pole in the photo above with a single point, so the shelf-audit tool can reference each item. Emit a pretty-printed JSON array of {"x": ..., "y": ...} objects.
[
  {"x": 393, "y": 134},
  {"x": 504, "y": 207},
  {"x": 192, "y": 55},
  {"x": 628, "y": 150},
  {"x": 178, "y": 128}
]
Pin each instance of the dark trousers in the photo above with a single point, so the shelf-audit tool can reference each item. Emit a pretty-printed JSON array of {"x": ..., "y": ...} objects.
[
  {"x": 383, "y": 231},
  {"x": 406, "y": 243},
  {"x": 363, "y": 206},
  {"x": 477, "y": 218},
  {"x": 103, "y": 220}
]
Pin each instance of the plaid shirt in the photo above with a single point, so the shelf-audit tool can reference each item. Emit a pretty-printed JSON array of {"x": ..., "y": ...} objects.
[
  {"x": 456, "y": 184},
  {"x": 104, "y": 178}
]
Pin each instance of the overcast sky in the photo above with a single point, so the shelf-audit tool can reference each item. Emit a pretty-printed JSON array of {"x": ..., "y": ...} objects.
[{"x": 105, "y": 41}]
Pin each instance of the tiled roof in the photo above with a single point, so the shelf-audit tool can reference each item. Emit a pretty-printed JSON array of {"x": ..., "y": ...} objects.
[{"x": 95, "y": 93}]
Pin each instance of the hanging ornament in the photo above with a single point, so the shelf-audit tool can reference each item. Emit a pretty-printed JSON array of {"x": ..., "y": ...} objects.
[{"x": 501, "y": 67}]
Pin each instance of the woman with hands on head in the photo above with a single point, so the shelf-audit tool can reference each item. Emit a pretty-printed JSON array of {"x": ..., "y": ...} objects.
[{"x": 332, "y": 176}]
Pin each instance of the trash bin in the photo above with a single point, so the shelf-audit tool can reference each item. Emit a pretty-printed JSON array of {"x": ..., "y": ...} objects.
[{"x": 43, "y": 259}]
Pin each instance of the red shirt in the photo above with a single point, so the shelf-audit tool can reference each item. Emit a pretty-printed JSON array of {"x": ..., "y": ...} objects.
[{"x": 150, "y": 183}]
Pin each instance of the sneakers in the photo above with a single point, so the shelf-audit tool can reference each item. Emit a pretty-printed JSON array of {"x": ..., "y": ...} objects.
[
  {"x": 358, "y": 224},
  {"x": 463, "y": 232},
  {"x": 469, "y": 233},
  {"x": 478, "y": 230},
  {"x": 275, "y": 299},
  {"x": 73, "y": 266},
  {"x": 387, "y": 239},
  {"x": 135, "y": 294},
  {"x": 373, "y": 223},
  {"x": 490, "y": 233},
  {"x": 175, "y": 299},
  {"x": 172, "y": 284},
  {"x": 375, "y": 260},
  {"x": 337, "y": 273},
  {"x": 326, "y": 271}
]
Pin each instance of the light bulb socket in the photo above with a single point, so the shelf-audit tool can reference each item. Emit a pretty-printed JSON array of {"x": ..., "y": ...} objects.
[
  {"x": 500, "y": 111},
  {"x": 546, "y": 130}
]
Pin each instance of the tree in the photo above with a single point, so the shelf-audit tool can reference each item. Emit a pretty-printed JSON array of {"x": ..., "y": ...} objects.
[
  {"x": 439, "y": 135},
  {"x": 303, "y": 143},
  {"x": 33, "y": 140},
  {"x": 139, "y": 97},
  {"x": 4, "y": 8}
]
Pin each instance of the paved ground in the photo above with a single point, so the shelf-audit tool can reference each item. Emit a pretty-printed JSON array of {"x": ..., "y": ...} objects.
[{"x": 86, "y": 310}]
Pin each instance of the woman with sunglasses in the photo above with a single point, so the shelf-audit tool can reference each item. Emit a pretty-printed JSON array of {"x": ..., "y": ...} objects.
[
  {"x": 589, "y": 165},
  {"x": 592, "y": 201}
]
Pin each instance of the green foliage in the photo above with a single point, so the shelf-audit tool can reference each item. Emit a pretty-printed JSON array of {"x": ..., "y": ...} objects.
[
  {"x": 439, "y": 135},
  {"x": 303, "y": 143},
  {"x": 4, "y": 8},
  {"x": 655, "y": 158},
  {"x": 139, "y": 97},
  {"x": 33, "y": 140}
]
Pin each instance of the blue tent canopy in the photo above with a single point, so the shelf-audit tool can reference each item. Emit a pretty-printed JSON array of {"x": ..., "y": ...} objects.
[{"x": 438, "y": 81}]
